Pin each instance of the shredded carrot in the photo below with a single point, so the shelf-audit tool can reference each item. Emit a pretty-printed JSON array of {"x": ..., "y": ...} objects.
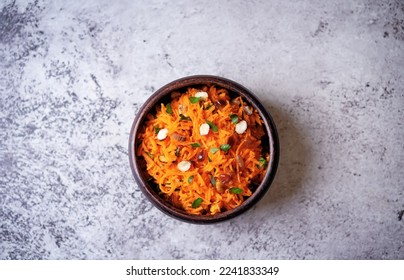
[{"x": 204, "y": 172}]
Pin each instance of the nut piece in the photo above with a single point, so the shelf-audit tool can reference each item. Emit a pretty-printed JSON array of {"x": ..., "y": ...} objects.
[
  {"x": 163, "y": 159},
  {"x": 182, "y": 109},
  {"x": 248, "y": 110},
  {"x": 204, "y": 129},
  {"x": 202, "y": 94},
  {"x": 241, "y": 127},
  {"x": 162, "y": 134},
  {"x": 184, "y": 165}
]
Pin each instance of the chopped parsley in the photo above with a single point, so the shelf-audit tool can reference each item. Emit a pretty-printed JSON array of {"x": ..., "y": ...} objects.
[
  {"x": 234, "y": 118},
  {"x": 236, "y": 190},
  {"x": 195, "y": 145},
  {"x": 212, "y": 180},
  {"x": 212, "y": 126},
  {"x": 197, "y": 202},
  {"x": 184, "y": 118},
  {"x": 225, "y": 147},
  {"x": 169, "y": 109},
  {"x": 194, "y": 99},
  {"x": 262, "y": 162}
]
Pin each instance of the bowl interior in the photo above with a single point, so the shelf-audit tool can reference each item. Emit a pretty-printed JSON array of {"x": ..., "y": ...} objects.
[{"x": 270, "y": 143}]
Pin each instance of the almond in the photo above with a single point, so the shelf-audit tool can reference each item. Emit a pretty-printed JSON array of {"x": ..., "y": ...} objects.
[
  {"x": 241, "y": 127},
  {"x": 202, "y": 94},
  {"x": 184, "y": 165},
  {"x": 162, "y": 134},
  {"x": 204, "y": 129}
]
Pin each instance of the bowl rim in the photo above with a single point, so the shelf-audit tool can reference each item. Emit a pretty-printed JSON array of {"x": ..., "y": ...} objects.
[{"x": 274, "y": 148}]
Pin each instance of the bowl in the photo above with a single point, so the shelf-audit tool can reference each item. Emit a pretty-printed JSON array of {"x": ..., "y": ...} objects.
[{"x": 270, "y": 143}]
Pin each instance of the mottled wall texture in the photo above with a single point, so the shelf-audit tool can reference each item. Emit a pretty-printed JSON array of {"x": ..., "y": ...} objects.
[{"x": 73, "y": 76}]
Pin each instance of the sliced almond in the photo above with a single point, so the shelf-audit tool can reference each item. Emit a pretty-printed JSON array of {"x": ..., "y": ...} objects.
[
  {"x": 204, "y": 129},
  {"x": 163, "y": 159},
  {"x": 184, "y": 165},
  {"x": 248, "y": 110},
  {"x": 235, "y": 101},
  {"x": 241, "y": 127},
  {"x": 202, "y": 94},
  {"x": 162, "y": 134},
  {"x": 182, "y": 109}
]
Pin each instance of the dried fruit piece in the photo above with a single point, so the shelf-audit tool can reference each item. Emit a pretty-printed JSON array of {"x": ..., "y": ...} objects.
[
  {"x": 201, "y": 155},
  {"x": 240, "y": 162},
  {"x": 178, "y": 137},
  {"x": 224, "y": 178}
]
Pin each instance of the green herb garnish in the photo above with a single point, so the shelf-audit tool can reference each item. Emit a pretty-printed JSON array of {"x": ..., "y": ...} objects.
[
  {"x": 156, "y": 130},
  {"x": 190, "y": 179},
  {"x": 262, "y": 162},
  {"x": 195, "y": 145},
  {"x": 236, "y": 190},
  {"x": 208, "y": 106},
  {"x": 212, "y": 180},
  {"x": 214, "y": 150},
  {"x": 225, "y": 147},
  {"x": 212, "y": 126},
  {"x": 184, "y": 118},
  {"x": 197, "y": 202},
  {"x": 194, "y": 99},
  {"x": 234, "y": 118},
  {"x": 149, "y": 154},
  {"x": 169, "y": 109}
]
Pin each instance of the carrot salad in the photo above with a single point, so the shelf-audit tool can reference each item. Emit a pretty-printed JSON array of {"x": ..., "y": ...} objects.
[{"x": 203, "y": 150}]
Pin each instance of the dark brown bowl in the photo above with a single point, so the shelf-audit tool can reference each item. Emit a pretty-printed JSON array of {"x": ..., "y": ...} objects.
[{"x": 271, "y": 143}]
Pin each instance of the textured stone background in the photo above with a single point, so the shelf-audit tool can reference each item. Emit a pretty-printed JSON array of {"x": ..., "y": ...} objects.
[{"x": 73, "y": 75}]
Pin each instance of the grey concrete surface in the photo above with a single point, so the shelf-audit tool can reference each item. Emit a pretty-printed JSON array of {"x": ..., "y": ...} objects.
[{"x": 73, "y": 76}]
